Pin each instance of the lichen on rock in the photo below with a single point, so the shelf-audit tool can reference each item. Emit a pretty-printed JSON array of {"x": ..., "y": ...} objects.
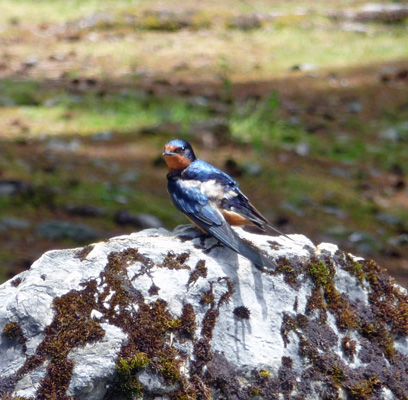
[{"x": 174, "y": 315}]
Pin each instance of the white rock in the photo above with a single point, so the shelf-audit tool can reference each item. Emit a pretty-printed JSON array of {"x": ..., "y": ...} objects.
[{"x": 244, "y": 320}]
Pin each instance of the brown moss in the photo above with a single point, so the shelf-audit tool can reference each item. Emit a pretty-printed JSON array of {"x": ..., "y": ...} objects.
[
  {"x": 83, "y": 253},
  {"x": 57, "y": 379},
  {"x": 209, "y": 321},
  {"x": 149, "y": 327},
  {"x": 225, "y": 297},
  {"x": 15, "y": 282},
  {"x": 13, "y": 331},
  {"x": 289, "y": 324},
  {"x": 349, "y": 347},
  {"x": 354, "y": 268},
  {"x": 306, "y": 349},
  {"x": 378, "y": 333},
  {"x": 200, "y": 271},
  {"x": 242, "y": 312},
  {"x": 202, "y": 350},
  {"x": 316, "y": 302},
  {"x": 346, "y": 317},
  {"x": 208, "y": 296},
  {"x": 15, "y": 398},
  {"x": 71, "y": 327},
  {"x": 388, "y": 302},
  {"x": 322, "y": 274},
  {"x": 284, "y": 266},
  {"x": 154, "y": 290},
  {"x": 173, "y": 261},
  {"x": 188, "y": 393},
  {"x": 364, "y": 389},
  {"x": 188, "y": 321},
  {"x": 336, "y": 373}
]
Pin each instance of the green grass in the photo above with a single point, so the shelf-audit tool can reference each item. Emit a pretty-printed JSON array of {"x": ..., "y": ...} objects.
[
  {"x": 65, "y": 10},
  {"x": 55, "y": 111},
  {"x": 27, "y": 11}
]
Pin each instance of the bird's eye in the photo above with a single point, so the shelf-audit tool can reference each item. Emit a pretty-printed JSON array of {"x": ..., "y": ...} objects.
[{"x": 183, "y": 148}]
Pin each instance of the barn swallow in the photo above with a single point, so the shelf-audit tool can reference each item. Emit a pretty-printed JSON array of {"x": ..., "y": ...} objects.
[{"x": 212, "y": 200}]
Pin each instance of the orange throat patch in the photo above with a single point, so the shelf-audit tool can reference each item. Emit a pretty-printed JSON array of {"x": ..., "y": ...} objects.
[{"x": 176, "y": 162}]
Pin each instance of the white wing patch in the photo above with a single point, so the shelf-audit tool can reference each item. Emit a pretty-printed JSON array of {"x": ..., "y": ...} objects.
[{"x": 216, "y": 191}]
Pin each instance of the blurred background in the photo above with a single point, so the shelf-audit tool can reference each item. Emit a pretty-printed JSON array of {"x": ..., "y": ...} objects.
[{"x": 305, "y": 103}]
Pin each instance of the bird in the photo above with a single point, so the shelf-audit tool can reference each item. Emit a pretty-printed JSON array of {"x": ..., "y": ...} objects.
[{"x": 213, "y": 201}]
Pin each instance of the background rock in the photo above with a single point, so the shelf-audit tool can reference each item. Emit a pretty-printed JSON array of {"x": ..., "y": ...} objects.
[{"x": 162, "y": 314}]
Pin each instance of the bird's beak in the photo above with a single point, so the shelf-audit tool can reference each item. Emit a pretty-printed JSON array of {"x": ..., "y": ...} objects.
[{"x": 168, "y": 153}]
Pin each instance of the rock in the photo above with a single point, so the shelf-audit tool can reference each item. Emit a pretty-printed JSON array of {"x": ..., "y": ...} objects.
[
  {"x": 354, "y": 107},
  {"x": 30, "y": 62},
  {"x": 400, "y": 240},
  {"x": 358, "y": 27},
  {"x": 57, "y": 230},
  {"x": 365, "y": 242},
  {"x": 246, "y": 22},
  {"x": 292, "y": 208},
  {"x": 304, "y": 67},
  {"x": 302, "y": 149},
  {"x": 253, "y": 169},
  {"x": 140, "y": 221},
  {"x": 14, "y": 223},
  {"x": 372, "y": 12},
  {"x": 336, "y": 211},
  {"x": 166, "y": 128},
  {"x": 61, "y": 145},
  {"x": 160, "y": 315},
  {"x": 85, "y": 211},
  {"x": 213, "y": 132},
  {"x": 389, "y": 219},
  {"x": 14, "y": 187},
  {"x": 7, "y": 102},
  {"x": 340, "y": 172},
  {"x": 165, "y": 20},
  {"x": 130, "y": 176},
  {"x": 387, "y": 13},
  {"x": 232, "y": 168},
  {"x": 104, "y": 136},
  {"x": 391, "y": 134}
]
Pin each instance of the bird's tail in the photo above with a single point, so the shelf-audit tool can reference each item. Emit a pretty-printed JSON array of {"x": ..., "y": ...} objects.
[
  {"x": 229, "y": 238},
  {"x": 273, "y": 229}
]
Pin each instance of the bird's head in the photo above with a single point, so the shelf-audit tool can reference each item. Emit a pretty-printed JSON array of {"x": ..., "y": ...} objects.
[{"x": 178, "y": 154}]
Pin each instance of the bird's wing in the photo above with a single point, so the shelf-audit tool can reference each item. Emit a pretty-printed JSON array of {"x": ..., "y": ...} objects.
[
  {"x": 241, "y": 205},
  {"x": 189, "y": 199}
]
